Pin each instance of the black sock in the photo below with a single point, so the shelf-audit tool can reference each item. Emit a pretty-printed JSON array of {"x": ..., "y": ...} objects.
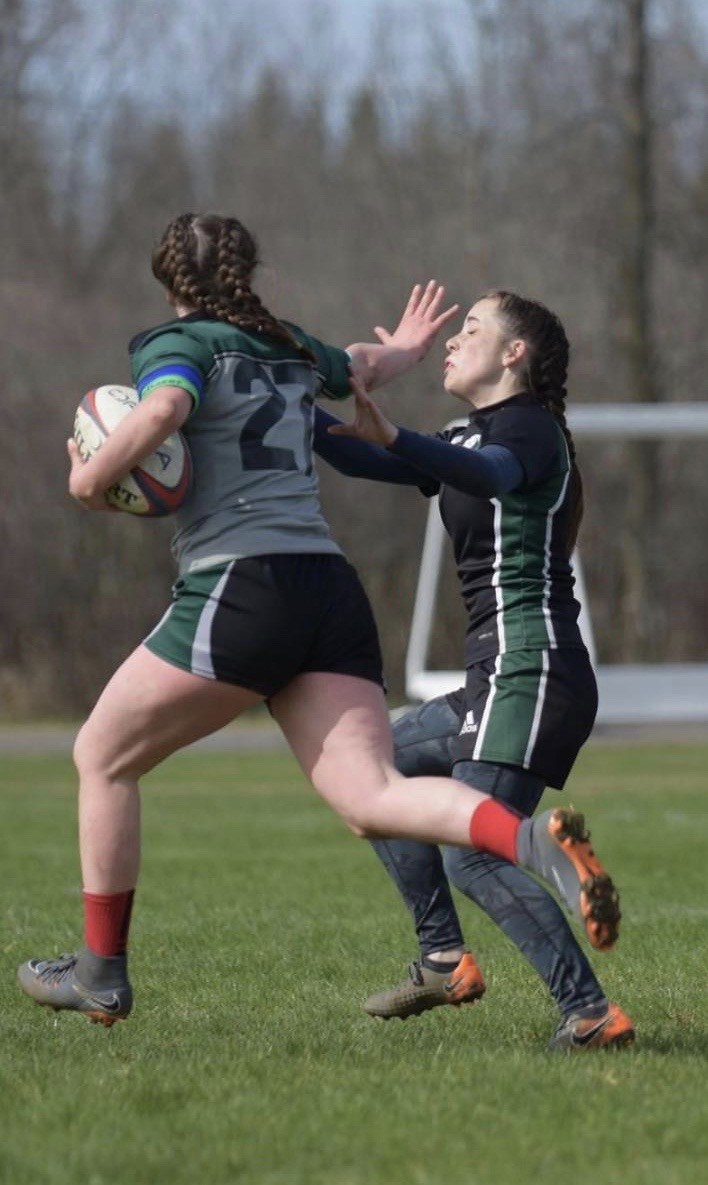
[{"x": 444, "y": 966}]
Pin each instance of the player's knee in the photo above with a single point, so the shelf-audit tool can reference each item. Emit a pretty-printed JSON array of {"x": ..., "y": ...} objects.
[
  {"x": 361, "y": 820},
  {"x": 83, "y": 750},
  {"x": 357, "y": 831},
  {"x": 359, "y": 801},
  {"x": 93, "y": 757}
]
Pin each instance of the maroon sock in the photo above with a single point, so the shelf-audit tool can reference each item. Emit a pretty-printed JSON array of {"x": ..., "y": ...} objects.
[
  {"x": 494, "y": 828},
  {"x": 107, "y": 921}
]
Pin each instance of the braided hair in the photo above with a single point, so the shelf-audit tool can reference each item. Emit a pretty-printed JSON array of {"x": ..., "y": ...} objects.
[
  {"x": 546, "y": 376},
  {"x": 206, "y": 261}
]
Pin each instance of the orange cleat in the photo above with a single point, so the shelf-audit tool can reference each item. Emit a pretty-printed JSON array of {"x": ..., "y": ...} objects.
[
  {"x": 561, "y": 852},
  {"x": 425, "y": 989},
  {"x": 612, "y": 1030}
]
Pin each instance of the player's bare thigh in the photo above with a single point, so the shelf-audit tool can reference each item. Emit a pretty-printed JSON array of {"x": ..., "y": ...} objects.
[
  {"x": 338, "y": 728},
  {"x": 149, "y": 709}
]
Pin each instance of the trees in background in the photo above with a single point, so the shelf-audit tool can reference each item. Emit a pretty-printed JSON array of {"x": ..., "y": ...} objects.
[{"x": 555, "y": 149}]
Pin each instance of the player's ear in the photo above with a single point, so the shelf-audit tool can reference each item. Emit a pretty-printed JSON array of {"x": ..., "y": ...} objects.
[{"x": 515, "y": 351}]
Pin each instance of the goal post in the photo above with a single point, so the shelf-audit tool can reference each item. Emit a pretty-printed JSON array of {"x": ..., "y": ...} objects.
[{"x": 629, "y": 693}]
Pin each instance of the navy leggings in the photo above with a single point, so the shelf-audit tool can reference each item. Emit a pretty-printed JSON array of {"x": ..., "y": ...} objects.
[{"x": 525, "y": 911}]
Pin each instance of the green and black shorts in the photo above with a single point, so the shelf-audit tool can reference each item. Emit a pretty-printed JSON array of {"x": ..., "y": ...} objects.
[
  {"x": 258, "y": 622},
  {"x": 529, "y": 708}
]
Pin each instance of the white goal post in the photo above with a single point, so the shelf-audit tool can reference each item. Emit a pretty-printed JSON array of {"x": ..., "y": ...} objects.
[{"x": 629, "y": 693}]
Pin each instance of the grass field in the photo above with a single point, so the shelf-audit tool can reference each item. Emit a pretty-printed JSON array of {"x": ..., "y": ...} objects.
[{"x": 261, "y": 925}]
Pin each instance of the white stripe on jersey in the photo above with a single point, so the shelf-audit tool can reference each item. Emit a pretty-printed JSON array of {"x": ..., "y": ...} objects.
[
  {"x": 201, "y": 659},
  {"x": 487, "y": 708},
  {"x": 496, "y": 573},
  {"x": 547, "y": 553},
  {"x": 540, "y": 701}
]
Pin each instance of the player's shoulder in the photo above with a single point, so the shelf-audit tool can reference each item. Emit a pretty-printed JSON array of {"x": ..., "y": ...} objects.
[
  {"x": 524, "y": 413},
  {"x": 314, "y": 344},
  {"x": 332, "y": 363},
  {"x": 522, "y": 406},
  {"x": 183, "y": 331}
]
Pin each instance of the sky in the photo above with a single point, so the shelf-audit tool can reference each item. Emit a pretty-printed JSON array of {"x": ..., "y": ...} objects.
[
  {"x": 211, "y": 53},
  {"x": 334, "y": 42}
]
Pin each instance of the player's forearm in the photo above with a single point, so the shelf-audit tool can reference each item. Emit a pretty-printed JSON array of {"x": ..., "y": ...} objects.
[
  {"x": 138, "y": 435},
  {"x": 488, "y": 472},
  {"x": 357, "y": 458}
]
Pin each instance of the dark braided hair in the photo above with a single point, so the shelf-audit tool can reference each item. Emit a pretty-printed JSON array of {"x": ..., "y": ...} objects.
[
  {"x": 546, "y": 376},
  {"x": 206, "y": 261}
]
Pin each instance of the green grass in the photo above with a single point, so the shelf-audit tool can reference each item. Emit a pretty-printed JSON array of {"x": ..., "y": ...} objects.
[{"x": 261, "y": 925}]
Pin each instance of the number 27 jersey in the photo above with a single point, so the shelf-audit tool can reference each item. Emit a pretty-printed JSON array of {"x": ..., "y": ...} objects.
[{"x": 255, "y": 490}]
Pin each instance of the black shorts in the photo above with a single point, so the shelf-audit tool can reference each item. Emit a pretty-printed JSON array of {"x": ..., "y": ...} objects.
[
  {"x": 260, "y": 621},
  {"x": 529, "y": 708}
]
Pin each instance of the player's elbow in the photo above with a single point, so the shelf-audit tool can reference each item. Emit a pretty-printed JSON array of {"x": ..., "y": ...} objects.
[{"x": 169, "y": 408}]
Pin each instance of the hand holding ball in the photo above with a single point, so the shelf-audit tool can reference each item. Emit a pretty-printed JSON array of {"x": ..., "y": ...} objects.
[{"x": 160, "y": 483}]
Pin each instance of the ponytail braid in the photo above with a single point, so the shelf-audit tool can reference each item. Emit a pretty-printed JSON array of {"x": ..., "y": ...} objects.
[
  {"x": 547, "y": 374},
  {"x": 206, "y": 261}
]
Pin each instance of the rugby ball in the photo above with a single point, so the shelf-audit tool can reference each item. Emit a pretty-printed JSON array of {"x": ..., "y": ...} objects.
[{"x": 156, "y": 487}]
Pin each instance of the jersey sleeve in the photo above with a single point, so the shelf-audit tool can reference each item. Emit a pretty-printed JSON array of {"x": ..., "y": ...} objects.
[
  {"x": 333, "y": 365},
  {"x": 533, "y": 436},
  {"x": 357, "y": 458},
  {"x": 485, "y": 472},
  {"x": 171, "y": 357}
]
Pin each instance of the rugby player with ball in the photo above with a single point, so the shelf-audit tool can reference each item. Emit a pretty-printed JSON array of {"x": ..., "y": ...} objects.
[{"x": 266, "y": 607}]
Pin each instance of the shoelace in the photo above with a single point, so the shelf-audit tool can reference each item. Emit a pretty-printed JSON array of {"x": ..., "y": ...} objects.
[{"x": 54, "y": 970}]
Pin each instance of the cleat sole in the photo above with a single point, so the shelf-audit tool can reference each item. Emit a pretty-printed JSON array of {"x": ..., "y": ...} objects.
[
  {"x": 599, "y": 899},
  {"x": 415, "y": 1011},
  {"x": 614, "y": 1031},
  {"x": 95, "y": 1018},
  {"x": 100, "y": 1018},
  {"x": 621, "y": 1041}
]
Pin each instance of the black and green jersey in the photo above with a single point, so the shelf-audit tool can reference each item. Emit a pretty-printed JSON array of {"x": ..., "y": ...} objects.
[
  {"x": 255, "y": 491},
  {"x": 511, "y": 550}
]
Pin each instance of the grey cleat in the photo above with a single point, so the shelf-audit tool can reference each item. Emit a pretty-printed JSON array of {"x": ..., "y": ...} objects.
[
  {"x": 556, "y": 846},
  {"x": 87, "y": 983},
  {"x": 611, "y": 1030},
  {"x": 425, "y": 989}
]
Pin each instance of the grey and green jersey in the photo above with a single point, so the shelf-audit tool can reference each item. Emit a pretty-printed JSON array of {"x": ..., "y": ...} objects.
[
  {"x": 511, "y": 550},
  {"x": 255, "y": 490}
]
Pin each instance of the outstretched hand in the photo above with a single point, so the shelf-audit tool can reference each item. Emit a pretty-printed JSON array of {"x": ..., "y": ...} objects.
[
  {"x": 421, "y": 321},
  {"x": 396, "y": 353},
  {"x": 369, "y": 422}
]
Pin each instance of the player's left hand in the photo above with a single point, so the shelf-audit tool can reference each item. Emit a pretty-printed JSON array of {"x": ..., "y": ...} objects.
[
  {"x": 78, "y": 489},
  {"x": 369, "y": 422},
  {"x": 421, "y": 321}
]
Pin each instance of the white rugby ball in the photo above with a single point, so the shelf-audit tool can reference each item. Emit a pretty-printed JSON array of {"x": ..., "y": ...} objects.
[{"x": 156, "y": 487}]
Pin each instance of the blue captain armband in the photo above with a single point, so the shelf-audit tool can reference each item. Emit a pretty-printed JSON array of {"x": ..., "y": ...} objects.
[{"x": 178, "y": 375}]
